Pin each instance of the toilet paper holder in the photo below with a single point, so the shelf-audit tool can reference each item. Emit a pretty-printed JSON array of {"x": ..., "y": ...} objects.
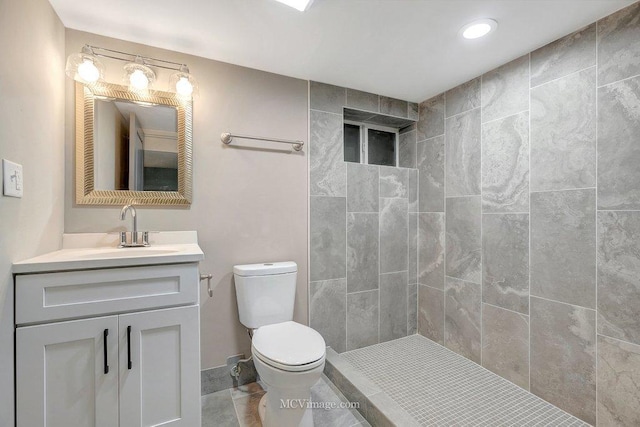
[{"x": 208, "y": 278}]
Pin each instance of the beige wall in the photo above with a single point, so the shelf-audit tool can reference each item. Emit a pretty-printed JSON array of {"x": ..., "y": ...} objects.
[
  {"x": 249, "y": 205},
  {"x": 31, "y": 133}
]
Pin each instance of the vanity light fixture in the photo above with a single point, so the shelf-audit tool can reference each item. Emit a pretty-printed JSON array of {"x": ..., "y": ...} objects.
[
  {"x": 478, "y": 28},
  {"x": 86, "y": 68},
  {"x": 301, "y": 5}
]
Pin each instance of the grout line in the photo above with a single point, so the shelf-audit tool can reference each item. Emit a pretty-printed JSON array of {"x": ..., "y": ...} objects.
[
  {"x": 529, "y": 236},
  {"x": 326, "y": 112},
  {"x": 618, "y": 339},
  {"x": 504, "y": 117},
  {"x": 506, "y": 309},
  {"x": 444, "y": 204},
  {"x": 562, "y": 189},
  {"x": 481, "y": 326},
  {"x": 505, "y": 213},
  {"x": 596, "y": 227},
  {"x": 562, "y": 302},
  {"x": 617, "y": 81},
  {"x": 460, "y": 114},
  {"x": 559, "y": 78}
]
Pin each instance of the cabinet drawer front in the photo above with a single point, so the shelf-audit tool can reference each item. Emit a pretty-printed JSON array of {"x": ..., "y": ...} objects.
[{"x": 74, "y": 294}]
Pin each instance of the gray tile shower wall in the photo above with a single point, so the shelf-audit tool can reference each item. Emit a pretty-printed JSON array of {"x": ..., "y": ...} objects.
[
  {"x": 363, "y": 226},
  {"x": 528, "y": 230}
]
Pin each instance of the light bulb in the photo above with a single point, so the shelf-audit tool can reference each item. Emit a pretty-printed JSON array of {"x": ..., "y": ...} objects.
[
  {"x": 476, "y": 31},
  {"x": 138, "y": 80},
  {"x": 184, "y": 87},
  {"x": 88, "y": 71},
  {"x": 479, "y": 28}
]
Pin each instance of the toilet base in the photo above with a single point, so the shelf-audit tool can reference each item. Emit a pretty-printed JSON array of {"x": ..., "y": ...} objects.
[{"x": 278, "y": 417}]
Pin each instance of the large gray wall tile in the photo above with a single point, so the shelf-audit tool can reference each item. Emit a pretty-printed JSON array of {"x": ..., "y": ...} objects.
[
  {"x": 394, "y": 182},
  {"x": 430, "y": 156},
  {"x": 564, "y": 56},
  {"x": 618, "y": 148},
  {"x": 362, "y": 319},
  {"x": 393, "y": 306},
  {"x": 505, "y": 344},
  {"x": 393, "y": 235},
  {"x": 463, "y": 247},
  {"x": 326, "y": 163},
  {"x": 462, "y": 98},
  {"x": 619, "y": 275},
  {"x": 362, "y": 188},
  {"x": 328, "y": 312},
  {"x": 431, "y": 249},
  {"x": 618, "y": 383},
  {"x": 431, "y": 313},
  {"x": 463, "y": 151},
  {"x": 505, "y": 261},
  {"x": 328, "y": 240},
  {"x": 463, "y": 313},
  {"x": 363, "y": 100},
  {"x": 505, "y": 90},
  {"x": 407, "y": 150},
  {"x": 618, "y": 47},
  {"x": 412, "y": 274},
  {"x": 413, "y": 190},
  {"x": 563, "y": 357},
  {"x": 412, "y": 308},
  {"x": 431, "y": 118},
  {"x": 362, "y": 251},
  {"x": 563, "y": 133},
  {"x": 393, "y": 107},
  {"x": 505, "y": 164},
  {"x": 324, "y": 97},
  {"x": 563, "y": 246}
]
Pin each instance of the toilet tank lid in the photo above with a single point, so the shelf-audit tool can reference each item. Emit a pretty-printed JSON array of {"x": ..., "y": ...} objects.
[{"x": 265, "y": 269}]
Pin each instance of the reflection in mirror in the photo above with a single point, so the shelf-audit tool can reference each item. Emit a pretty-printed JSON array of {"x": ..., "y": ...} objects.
[
  {"x": 132, "y": 148},
  {"x": 136, "y": 146}
]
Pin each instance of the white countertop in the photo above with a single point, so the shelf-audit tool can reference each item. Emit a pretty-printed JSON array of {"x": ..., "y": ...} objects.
[{"x": 100, "y": 250}]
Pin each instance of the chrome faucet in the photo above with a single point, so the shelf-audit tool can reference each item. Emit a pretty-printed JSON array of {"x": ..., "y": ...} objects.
[{"x": 132, "y": 239}]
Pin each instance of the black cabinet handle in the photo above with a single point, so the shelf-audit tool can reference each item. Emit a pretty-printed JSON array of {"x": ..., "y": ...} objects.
[
  {"x": 129, "y": 365},
  {"x": 105, "y": 334}
]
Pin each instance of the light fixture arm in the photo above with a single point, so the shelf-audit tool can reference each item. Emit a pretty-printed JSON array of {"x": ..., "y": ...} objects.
[{"x": 119, "y": 55}]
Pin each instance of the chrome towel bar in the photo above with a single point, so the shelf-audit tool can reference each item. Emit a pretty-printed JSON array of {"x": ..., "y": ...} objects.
[{"x": 227, "y": 137}]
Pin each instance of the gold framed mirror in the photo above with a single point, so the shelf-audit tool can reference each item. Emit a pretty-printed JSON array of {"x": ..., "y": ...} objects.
[{"x": 132, "y": 148}]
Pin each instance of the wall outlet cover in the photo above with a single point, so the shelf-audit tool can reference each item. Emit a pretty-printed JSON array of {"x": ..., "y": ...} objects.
[{"x": 12, "y": 179}]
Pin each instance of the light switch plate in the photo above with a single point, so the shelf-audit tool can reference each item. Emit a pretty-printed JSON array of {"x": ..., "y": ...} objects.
[{"x": 12, "y": 179}]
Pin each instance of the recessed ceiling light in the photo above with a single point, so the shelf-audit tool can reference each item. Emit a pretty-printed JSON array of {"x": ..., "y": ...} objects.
[
  {"x": 478, "y": 28},
  {"x": 301, "y": 5}
]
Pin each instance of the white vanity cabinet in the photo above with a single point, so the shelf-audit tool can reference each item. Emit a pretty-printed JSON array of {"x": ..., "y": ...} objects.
[{"x": 108, "y": 347}]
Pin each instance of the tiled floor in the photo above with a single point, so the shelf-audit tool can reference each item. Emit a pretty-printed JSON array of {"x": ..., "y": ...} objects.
[
  {"x": 238, "y": 407},
  {"x": 438, "y": 387}
]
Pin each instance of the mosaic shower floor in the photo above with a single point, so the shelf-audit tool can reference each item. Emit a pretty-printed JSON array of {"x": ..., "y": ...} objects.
[{"x": 438, "y": 387}]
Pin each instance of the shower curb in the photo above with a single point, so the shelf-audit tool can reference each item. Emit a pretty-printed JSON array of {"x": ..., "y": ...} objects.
[{"x": 375, "y": 405}]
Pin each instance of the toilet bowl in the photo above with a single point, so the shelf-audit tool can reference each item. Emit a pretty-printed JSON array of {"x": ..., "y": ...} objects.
[{"x": 289, "y": 357}]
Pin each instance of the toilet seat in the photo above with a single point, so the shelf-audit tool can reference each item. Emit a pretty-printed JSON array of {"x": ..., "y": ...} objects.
[{"x": 289, "y": 346}]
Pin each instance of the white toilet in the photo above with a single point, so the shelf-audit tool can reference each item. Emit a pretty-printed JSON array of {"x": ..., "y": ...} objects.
[{"x": 288, "y": 356}]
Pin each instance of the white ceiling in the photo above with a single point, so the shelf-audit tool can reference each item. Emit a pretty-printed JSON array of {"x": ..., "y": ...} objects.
[{"x": 407, "y": 49}]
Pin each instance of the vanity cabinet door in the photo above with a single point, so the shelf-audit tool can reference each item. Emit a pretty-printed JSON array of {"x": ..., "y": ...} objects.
[
  {"x": 67, "y": 374},
  {"x": 160, "y": 368}
]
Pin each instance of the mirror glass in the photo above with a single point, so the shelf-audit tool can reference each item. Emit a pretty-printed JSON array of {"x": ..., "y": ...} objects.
[{"x": 135, "y": 146}]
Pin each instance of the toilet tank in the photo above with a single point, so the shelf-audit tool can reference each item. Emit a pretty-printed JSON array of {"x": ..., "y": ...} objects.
[{"x": 265, "y": 292}]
